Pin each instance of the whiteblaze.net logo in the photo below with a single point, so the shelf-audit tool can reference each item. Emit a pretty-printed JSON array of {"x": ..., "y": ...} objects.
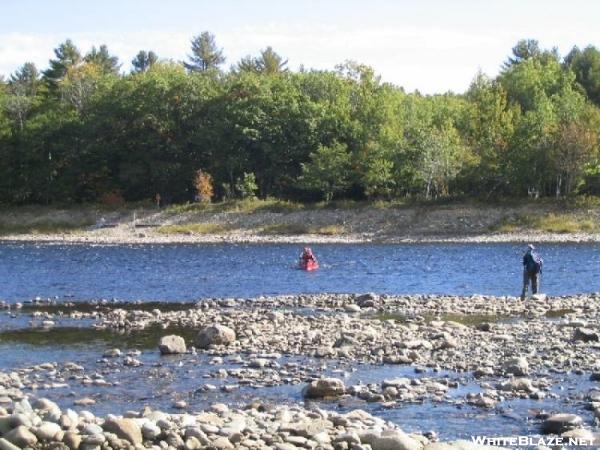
[{"x": 532, "y": 441}]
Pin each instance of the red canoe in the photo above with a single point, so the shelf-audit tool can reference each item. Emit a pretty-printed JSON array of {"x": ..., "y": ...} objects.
[{"x": 309, "y": 265}]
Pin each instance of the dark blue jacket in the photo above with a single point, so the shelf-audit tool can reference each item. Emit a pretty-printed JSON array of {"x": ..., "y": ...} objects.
[{"x": 529, "y": 262}]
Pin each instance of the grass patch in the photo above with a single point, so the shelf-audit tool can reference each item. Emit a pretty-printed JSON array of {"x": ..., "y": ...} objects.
[
  {"x": 328, "y": 230},
  {"x": 553, "y": 223},
  {"x": 285, "y": 229},
  {"x": 248, "y": 205},
  {"x": 296, "y": 228},
  {"x": 45, "y": 227},
  {"x": 193, "y": 228}
]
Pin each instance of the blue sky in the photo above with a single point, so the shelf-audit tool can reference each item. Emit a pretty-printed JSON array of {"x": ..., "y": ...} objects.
[{"x": 430, "y": 45}]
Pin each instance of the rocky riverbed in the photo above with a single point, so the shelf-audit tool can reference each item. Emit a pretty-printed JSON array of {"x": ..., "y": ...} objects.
[{"x": 307, "y": 371}]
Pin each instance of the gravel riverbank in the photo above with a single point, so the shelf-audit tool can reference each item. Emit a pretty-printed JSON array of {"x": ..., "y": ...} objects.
[
  {"x": 451, "y": 223},
  {"x": 507, "y": 350}
]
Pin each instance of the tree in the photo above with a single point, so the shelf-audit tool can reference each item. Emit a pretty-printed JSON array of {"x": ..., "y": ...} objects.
[
  {"x": 576, "y": 146},
  {"x": 246, "y": 64},
  {"x": 328, "y": 170},
  {"x": 490, "y": 128},
  {"x": 270, "y": 62},
  {"x": 203, "y": 183},
  {"x": 26, "y": 77},
  {"x": 205, "y": 54},
  {"x": 79, "y": 84},
  {"x": 100, "y": 57},
  {"x": 246, "y": 186},
  {"x": 441, "y": 156},
  {"x": 586, "y": 67},
  {"x": 524, "y": 50},
  {"x": 22, "y": 90},
  {"x": 67, "y": 56},
  {"x": 143, "y": 61}
]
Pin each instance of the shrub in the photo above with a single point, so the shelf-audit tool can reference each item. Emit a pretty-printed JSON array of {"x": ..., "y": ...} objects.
[{"x": 203, "y": 183}]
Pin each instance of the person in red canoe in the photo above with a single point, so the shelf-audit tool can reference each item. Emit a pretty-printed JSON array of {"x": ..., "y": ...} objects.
[{"x": 307, "y": 257}]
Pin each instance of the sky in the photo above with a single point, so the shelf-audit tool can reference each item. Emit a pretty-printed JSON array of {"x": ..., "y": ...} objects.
[{"x": 432, "y": 46}]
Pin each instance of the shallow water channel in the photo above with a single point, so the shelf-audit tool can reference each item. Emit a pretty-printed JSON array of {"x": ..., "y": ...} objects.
[{"x": 161, "y": 381}]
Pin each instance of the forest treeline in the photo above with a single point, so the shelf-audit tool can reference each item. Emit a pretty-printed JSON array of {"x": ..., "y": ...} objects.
[{"x": 82, "y": 130}]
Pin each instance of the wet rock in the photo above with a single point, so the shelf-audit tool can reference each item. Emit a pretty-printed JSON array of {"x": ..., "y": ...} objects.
[
  {"x": 21, "y": 437},
  {"x": 395, "y": 440},
  {"x": 112, "y": 353},
  {"x": 215, "y": 335},
  {"x": 352, "y": 308},
  {"x": 126, "y": 429},
  {"x": 86, "y": 401},
  {"x": 150, "y": 430},
  {"x": 579, "y": 433},
  {"x": 595, "y": 376},
  {"x": 72, "y": 440},
  {"x": 516, "y": 366},
  {"x": 559, "y": 423},
  {"x": 367, "y": 300},
  {"x": 47, "y": 431},
  {"x": 585, "y": 335},
  {"x": 517, "y": 384},
  {"x": 325, "y": 387},
  {"x": 172, "y": 345}
]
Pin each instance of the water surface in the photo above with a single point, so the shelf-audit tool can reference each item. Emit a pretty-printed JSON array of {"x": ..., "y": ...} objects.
[{"x": 189, "y": 272}]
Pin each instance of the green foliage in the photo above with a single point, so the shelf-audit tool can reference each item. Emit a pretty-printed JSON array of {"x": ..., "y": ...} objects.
[
  {"x": 246, "y": 186},
  {"x": 205, "y": 54},
  {"x": 106, "y": 63},
  {"x": 143, "y": 61},
  {"x": 328, "y": 170},
  {"x": 82, "y": 132},
  {"x": 67, "y": 56}
]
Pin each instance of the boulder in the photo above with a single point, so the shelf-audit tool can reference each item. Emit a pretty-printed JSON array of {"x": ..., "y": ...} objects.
[
  {"x": 325, "y": 387},
  {"x": 126, "y": 429},
  {"x": 6, "y": 445},
  {"x": 516, "y": 366},
  {"x": 47, "y": 431},
  {"x": 172, "y": 345},
  {"x": 586, "y": 335},
  {"x": 352, "y": 308},
  {"x": 395, "y": 440},
  {"x": 21, "y": 437},
  {"x": 215, "y": 335},
  {"x": 518, "y": 384},
  {"x": 560, "y": 423},
  {"x": 367, "y": 300}
]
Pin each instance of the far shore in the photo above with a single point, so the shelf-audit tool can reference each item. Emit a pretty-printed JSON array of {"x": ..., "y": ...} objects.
[{"x": 276, "y": 222}]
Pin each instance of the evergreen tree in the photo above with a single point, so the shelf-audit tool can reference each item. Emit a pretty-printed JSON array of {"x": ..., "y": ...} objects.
[
  {"x": 67, "y": 56},
  {"x": 205, "y": 54},
  {"x": 270, "y": 62},
  {"x": 105, "y": 62},
  {"x": 143, "y": 61}
]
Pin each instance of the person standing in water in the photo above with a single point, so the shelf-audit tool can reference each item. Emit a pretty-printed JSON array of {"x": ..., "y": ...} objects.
[{"x": 532, "y": 269}]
